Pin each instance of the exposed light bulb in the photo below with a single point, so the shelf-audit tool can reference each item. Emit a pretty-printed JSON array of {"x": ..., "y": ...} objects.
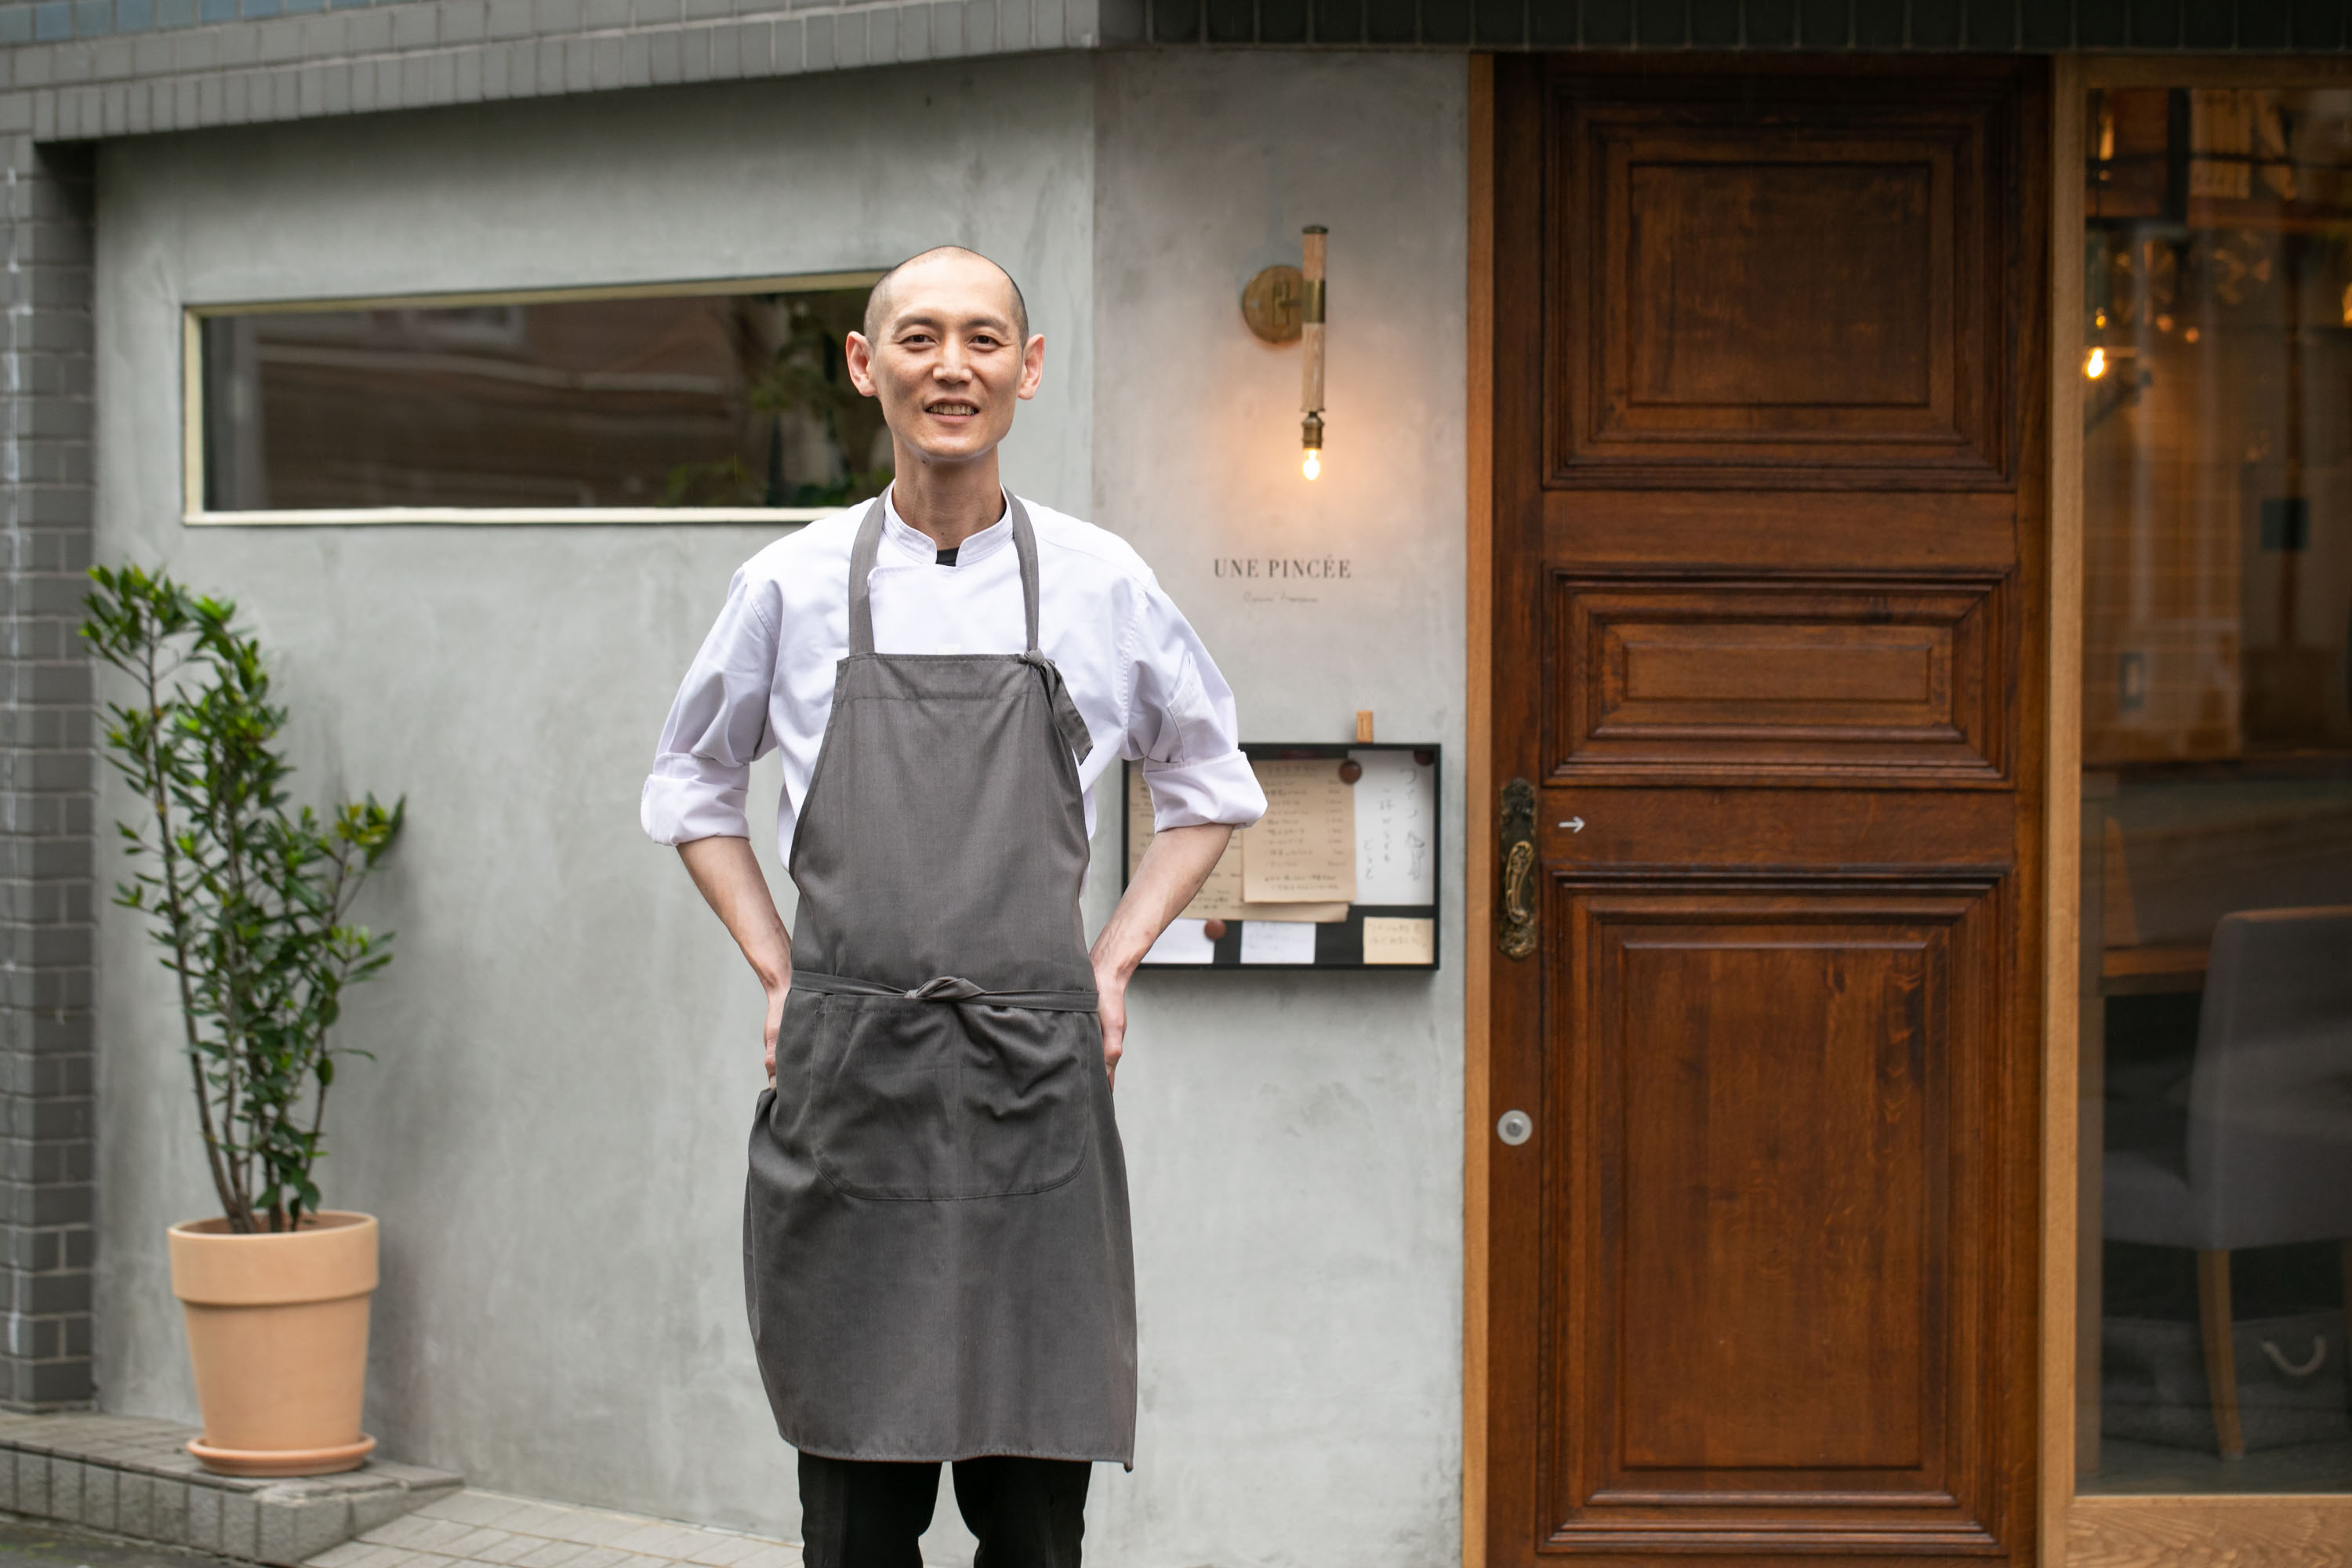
[
  {"x": 1313, "y": 465},
  {"x": 2095, "y": 364}
]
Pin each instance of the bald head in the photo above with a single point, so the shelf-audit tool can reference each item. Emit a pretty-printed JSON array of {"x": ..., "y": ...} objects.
[{"x": 878, "y": 303}]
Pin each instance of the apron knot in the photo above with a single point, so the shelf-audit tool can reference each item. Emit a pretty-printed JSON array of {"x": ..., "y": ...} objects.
[
  {"x": 946, "y": 988},
  {"x": 1074, "y": 733}
]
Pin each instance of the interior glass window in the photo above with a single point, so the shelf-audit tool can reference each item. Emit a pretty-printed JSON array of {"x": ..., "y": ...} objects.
[
  {"x": 682, "y": 400},
  {"x": 2217, "y": 749}
]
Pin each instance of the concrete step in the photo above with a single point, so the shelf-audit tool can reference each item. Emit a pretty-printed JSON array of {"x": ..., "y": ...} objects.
[{"x": 133, "y": 1474}]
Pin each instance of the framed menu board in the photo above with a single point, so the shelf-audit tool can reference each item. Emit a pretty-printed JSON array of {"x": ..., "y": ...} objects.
[{"x": 1340, "y": 874}]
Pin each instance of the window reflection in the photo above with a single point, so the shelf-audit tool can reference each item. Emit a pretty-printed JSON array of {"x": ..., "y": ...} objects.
[
  {"x": 734, "y": 400},
  {"x": 2216, "y": 741}
]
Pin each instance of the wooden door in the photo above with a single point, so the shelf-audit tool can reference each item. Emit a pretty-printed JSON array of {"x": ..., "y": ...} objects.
[{"x": 1769, "y": 515}]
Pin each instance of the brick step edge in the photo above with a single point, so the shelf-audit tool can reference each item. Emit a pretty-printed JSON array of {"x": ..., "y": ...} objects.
[{"x": 133, "y": 1475}]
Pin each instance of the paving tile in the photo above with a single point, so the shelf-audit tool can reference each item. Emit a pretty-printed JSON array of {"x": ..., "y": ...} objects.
[
  {"x": 667, "y": 1542},
  {"x": 513, "y": 1549},
  {"x": 389, "y": 1557},
  {"x": 716, "y": 1550},
  {"x": 350, "y": 1554},
  {"x": 598, "y": 1528},
  {"x": 418, "y": 1532},
  {"x": 554, "y": 1555},
  {"x": 528, "y": 1517},
  {"x": 476, "y": 1539},
  {"x": 775, "y": 1555},
  {"x": 600, "y": 1557}
]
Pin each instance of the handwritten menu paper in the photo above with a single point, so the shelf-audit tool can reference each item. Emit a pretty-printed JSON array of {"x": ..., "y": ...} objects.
[
  {"x": 1396, "y": 832},
  {"x": 1278, "y": 941},
  {"x": 1388, "y": 941},
  {"x": 1220, "y": 898},
  {"x": 1304, "y": 850}
]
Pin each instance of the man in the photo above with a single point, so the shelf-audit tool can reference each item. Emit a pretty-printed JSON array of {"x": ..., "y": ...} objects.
[{"x": 936, "y": 1246}]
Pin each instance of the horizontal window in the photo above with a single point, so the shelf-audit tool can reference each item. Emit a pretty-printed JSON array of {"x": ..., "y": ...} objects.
[{"x": 679, "y": 404}]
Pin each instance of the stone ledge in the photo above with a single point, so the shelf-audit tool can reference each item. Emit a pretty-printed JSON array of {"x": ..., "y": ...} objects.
[{"x": 133, "y": 1475}]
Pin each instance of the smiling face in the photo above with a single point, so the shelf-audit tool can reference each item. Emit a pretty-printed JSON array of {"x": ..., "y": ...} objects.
[{"x": 943, "y": 351}]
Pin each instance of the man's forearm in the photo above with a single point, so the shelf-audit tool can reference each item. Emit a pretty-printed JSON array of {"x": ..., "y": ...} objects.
[
  {"x": 737, "y": 890},
  {"x": 1179, "y": 860}
]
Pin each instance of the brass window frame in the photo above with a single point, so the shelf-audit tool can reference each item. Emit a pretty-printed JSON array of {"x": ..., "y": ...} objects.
[{"x": 194, "y": 514}]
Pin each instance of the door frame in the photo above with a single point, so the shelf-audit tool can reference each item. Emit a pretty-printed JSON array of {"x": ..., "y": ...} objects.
[
  {"x": 2042, "y": 592},
  {"x": 2110, "y": 1532}
]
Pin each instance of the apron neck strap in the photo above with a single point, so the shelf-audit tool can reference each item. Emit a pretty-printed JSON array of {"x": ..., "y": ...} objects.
[
  {"x": 1025, "y": 544},
  {"x": 861, "y": 591},
  {"x": 869, "y": 544}
]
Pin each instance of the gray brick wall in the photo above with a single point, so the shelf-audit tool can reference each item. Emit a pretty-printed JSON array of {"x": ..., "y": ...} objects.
[{"x": 46, "y": 842}]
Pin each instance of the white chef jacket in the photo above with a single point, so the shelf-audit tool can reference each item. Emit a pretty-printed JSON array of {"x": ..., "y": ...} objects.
[{"x": 763, "y": 680}]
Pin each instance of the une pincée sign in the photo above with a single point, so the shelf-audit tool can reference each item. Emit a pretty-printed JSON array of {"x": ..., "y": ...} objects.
[{"x": 1286, "y": 568}]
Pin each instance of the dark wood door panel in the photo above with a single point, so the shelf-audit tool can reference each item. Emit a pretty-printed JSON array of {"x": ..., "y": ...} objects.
[
  {"x": 1759, "y": 530},
  {"x": 1768, "y": 284},
  {"x": 1669, "y": 831},
  {"x": 1769, "y": 1251},
  {"x": 1690, "y": 677}
]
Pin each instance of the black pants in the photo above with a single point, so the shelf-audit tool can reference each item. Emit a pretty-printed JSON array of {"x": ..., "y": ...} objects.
[{"x": 869, "y": 1513}]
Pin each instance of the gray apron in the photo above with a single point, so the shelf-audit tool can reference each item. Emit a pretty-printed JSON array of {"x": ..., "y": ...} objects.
[{"x": 935, "y": 1230}]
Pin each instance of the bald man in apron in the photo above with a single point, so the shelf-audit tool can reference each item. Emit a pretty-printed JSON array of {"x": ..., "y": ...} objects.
[{"x": 936, "y": 1249}]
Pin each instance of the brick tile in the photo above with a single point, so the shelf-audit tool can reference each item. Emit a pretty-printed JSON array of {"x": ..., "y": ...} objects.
[
  {"x": 369, "y": 32},
  {"x": 240, "y": 1525}
]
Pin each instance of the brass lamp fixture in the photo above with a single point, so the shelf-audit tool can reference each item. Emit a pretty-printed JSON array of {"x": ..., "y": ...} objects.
[
  {"x": 1285, "y": 304},
  {"x": 1310, "y": 336}
]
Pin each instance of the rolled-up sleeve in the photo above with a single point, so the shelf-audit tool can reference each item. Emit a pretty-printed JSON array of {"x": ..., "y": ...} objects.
[
  {"x": 717, "y": 726},
  {"x": 1181, "y": 726}
]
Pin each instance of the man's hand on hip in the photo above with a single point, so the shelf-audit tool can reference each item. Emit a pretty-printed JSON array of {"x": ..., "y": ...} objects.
[
  {"x": 737, "y": 891},
  {"x": 1171, "y": 871},
  {"x": 1110, "y": 1006}
]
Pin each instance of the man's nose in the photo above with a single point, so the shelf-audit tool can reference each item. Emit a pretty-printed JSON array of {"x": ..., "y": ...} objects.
[{"x": 951, "y": 365}]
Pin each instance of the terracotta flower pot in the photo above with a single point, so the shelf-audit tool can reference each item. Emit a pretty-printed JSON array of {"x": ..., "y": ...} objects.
[{"x": 278, "y": 1329}]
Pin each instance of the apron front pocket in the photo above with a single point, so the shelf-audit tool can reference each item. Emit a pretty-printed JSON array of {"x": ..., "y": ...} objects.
[{"x": 936, "y": 1102}]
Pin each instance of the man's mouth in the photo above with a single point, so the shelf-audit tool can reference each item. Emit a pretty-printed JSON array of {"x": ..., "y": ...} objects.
[{"x": 952, "y": 409}]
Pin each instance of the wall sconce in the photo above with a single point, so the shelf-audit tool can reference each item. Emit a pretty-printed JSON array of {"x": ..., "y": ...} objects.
[{"x": 1285, "y": 304}]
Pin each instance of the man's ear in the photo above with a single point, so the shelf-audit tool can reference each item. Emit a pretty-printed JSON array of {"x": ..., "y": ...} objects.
[
  {"x": 860, "y": 355},
  {"x": 1033, "y": 365}
]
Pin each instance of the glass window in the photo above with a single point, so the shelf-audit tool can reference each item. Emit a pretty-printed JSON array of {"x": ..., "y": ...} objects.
[
  {"x": 2217, "y": 750},
  {"x": 674, "y": 400}
]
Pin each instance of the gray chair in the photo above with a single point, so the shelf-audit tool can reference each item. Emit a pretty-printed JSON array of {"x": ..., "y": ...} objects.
[{"x": 2261, "y": 1154}]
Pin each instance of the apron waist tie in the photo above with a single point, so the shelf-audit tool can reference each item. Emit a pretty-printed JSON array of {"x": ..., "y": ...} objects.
[
  {"x": 949, "y": 988},
  {"x": 1066, "y": 712}
]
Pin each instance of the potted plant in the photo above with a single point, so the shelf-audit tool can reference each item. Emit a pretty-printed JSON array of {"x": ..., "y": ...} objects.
[{"x": 250, "y": 903}]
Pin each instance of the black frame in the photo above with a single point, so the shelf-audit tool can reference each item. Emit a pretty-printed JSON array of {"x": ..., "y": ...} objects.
[{"x": 1338, "y": 944}]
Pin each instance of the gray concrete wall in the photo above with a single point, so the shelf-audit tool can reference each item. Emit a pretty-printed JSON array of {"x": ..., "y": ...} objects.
[
  {"x": 551, "y": 1132},
  {"x": 567, "y": 1044},
  {"x": 1296, "y": 1138}
]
